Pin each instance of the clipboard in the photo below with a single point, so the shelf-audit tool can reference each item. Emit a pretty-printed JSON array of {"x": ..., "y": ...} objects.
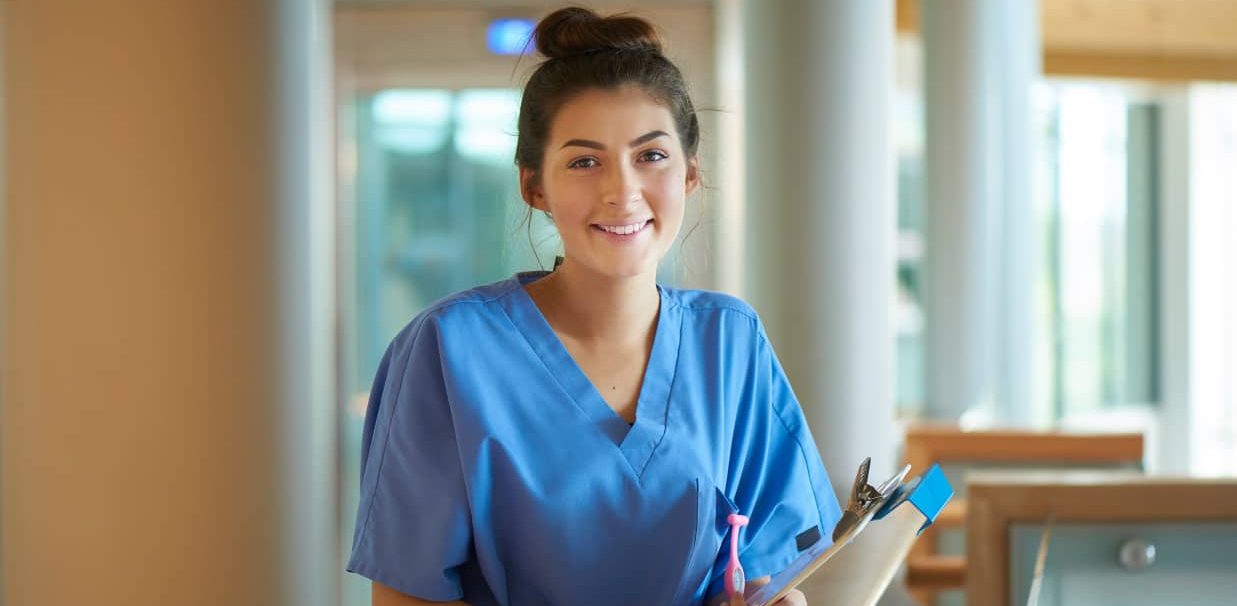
[{"x": 855, "y": 568}]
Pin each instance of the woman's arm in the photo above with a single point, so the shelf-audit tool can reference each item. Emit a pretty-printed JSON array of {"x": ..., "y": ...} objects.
[{"x": 385, "y": 596}]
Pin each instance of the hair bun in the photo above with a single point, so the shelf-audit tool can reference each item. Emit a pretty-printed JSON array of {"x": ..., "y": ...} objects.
[{"x": 575, "y": 30}]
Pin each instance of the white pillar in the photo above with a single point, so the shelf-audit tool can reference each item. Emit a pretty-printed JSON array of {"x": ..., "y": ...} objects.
[
  {"x": 1018, "y": 33},
  {"x": 820, "y": 206},
  {"x": 305, "y": 258},
  {"x": 980, "y": 60},
  {"x": 960, "y": 170},
  {"x": 730, "y": 232},
  {"x": 165, "y": 396}
]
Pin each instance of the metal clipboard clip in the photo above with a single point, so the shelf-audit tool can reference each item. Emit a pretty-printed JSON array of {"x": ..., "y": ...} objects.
[{"x": 865, "y": 501}]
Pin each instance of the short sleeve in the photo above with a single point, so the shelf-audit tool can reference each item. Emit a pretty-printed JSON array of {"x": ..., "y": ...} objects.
[
  {"x": 777, "y": 477},
  {"x": 412, "y": 526}
]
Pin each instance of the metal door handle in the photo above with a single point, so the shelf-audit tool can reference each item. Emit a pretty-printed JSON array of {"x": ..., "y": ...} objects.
[{"x": 1136, "y": 555}]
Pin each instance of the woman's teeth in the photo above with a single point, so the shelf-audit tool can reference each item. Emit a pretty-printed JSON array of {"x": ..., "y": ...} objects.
[{"x": 623, "y": 230}]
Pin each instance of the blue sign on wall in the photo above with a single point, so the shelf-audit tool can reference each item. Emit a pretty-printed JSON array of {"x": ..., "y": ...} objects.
[{"x": 510, "y": 36}]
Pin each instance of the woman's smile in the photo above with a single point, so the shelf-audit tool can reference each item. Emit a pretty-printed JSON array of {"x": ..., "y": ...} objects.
[{"x": 622, "y": 233}]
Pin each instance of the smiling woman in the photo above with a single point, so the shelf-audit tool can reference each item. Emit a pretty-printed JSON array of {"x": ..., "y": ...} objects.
[
  {"x": 592, "y": 450},
  {"x": 625, "y": 183}
]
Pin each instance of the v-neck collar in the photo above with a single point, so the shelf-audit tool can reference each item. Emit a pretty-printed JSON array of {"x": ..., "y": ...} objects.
[{"x": 638, "y": 441}]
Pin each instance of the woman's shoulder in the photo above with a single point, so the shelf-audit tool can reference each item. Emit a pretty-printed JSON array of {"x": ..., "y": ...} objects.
[
  {"x": 466, "y": 300},
  {"x": 713, "y": 306},
  {"x": 460, "y": 309}
]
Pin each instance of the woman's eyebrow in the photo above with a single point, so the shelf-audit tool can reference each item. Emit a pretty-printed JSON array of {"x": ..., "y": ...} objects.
[{"x": 645, "y": 138}]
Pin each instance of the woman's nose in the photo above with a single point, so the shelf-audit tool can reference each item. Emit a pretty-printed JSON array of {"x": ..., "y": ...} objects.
[{"x": 622, "y": 188}]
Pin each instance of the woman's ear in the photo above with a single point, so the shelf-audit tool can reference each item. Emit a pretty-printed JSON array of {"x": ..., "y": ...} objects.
[
  {"x": 530, "y": 189},
  {"x": 693, "y": 175}
]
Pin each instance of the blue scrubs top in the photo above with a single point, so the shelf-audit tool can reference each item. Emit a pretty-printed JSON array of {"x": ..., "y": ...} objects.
[{"x": 494, "y": 472}]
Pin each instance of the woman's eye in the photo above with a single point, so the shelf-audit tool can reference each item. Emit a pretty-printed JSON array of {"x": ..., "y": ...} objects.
[
  {"x": 653, "y": 155},
  {"x": 583, "y": 163}
]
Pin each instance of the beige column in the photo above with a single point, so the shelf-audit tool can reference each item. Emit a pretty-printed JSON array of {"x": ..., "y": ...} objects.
[
  {"x": 820, "y": 212},
  {"x": 981, "y": 59},
  {"x": 159, "y": 443}
]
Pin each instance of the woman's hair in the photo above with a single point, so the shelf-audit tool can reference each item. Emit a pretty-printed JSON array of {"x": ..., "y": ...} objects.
[{"x": 584, "y": 50}]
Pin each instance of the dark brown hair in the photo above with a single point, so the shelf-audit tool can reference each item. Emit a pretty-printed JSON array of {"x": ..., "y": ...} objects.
[{"x": 584, "y": 50}]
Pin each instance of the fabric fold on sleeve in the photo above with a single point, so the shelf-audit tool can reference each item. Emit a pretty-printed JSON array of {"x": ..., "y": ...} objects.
[{"x": 413, "y": 529}]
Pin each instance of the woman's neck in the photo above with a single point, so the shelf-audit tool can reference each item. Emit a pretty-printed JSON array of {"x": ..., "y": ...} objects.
[{"x": 598, "y": 310}]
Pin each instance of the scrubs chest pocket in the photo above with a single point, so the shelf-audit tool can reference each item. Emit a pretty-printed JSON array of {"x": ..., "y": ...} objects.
[
  {"x": 707, "y": 562},
  {"x": 722, "y": 508}
]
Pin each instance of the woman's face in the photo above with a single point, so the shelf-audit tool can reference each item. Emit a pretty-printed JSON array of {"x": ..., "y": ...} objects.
[{"x": 615, "y": 180}]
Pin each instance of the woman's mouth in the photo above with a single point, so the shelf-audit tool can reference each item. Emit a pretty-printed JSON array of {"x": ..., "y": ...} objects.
[{"x": 623, "y": 233}]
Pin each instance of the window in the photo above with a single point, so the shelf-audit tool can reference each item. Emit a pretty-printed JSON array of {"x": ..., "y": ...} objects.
[
  {"x": 437, "y": 207},
  {"x": 1096, "y": 280},
  {"x": 1213, "y": 279},
  {"x": 1096, "y": 283}
]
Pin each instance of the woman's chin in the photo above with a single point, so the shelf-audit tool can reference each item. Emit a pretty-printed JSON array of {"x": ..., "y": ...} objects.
[
  {"x": 626, "y": 271},
  {"x": 621, "y": 266}
]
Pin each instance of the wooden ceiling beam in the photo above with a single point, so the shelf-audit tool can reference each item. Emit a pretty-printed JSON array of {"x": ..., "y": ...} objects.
[{"x": 1148, "y": 39}]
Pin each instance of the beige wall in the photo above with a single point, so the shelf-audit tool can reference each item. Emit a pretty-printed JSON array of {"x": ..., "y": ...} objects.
[{"x": 137, "y": 425}]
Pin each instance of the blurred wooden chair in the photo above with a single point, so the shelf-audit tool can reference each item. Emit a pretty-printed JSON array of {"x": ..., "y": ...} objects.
[{"x": 930, "y": 572}]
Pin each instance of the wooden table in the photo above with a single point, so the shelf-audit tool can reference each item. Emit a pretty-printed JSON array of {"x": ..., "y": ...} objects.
[{"x": 998, "y": 501}]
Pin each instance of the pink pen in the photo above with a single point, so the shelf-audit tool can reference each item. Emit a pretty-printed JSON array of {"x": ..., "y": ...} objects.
[{"x": 735, "y": 580}]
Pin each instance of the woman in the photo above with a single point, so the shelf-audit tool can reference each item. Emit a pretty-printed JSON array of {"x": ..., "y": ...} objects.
[{"x": 582, "y": 436}]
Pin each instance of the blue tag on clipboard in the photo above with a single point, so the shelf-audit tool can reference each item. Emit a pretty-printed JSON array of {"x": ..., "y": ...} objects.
[{"x": 928, "y": 493}]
